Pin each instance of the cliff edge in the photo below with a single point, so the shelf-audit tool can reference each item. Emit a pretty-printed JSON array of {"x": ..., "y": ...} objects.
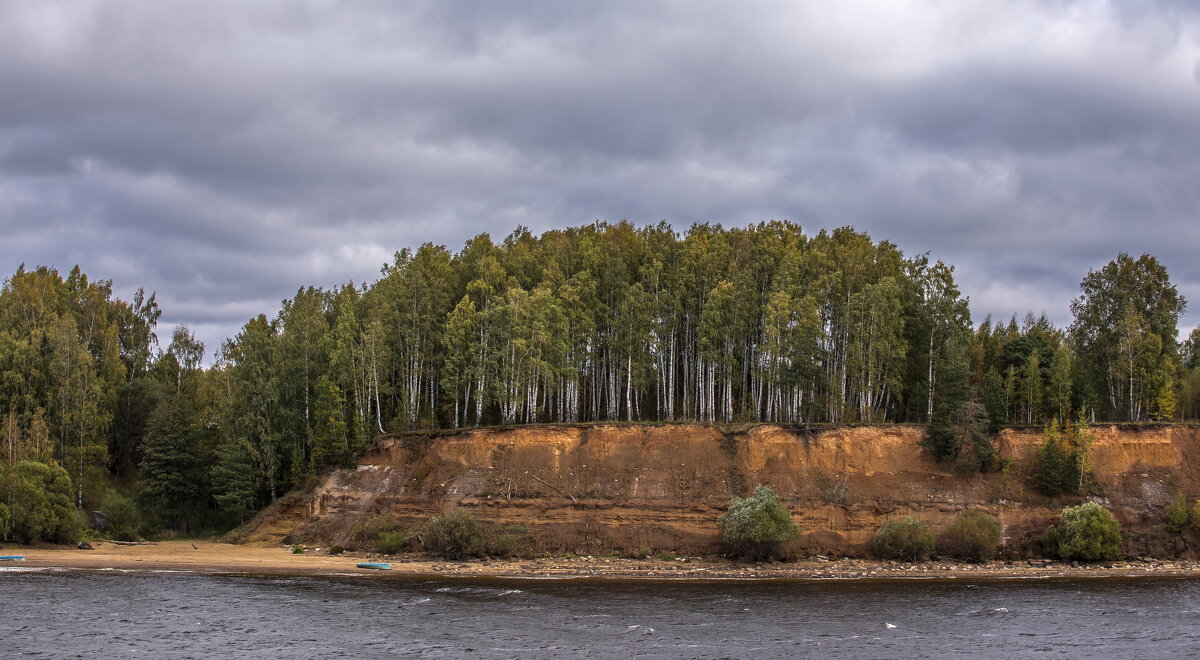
[{"x": 592, "y": 489}]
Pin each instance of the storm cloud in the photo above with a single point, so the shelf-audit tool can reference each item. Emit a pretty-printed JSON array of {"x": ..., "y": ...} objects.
[{"x": 226, "y": 153}]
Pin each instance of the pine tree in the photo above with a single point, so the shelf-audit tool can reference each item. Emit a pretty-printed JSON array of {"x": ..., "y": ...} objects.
[
  {"x": 169, "y": 467},
  {"x": 995, "y": 400},
  {"x": 234, "y": 478},
  {"x": 331, "y": 436}
]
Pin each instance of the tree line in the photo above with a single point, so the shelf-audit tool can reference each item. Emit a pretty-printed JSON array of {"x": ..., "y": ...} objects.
[{"x": 604, "y": 322}]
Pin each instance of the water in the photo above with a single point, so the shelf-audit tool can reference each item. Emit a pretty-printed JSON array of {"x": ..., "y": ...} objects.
[{"x": 54, "y": 613}]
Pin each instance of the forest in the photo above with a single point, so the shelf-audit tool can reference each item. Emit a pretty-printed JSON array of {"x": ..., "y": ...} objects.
[{"x": 100, "y": 409}]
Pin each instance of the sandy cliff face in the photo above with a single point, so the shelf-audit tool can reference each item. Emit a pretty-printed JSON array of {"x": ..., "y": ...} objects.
[{"x": 591, "y": 489}]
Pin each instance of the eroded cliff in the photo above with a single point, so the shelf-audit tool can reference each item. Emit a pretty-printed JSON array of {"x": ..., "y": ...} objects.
[{"x": 624, "y": 487}]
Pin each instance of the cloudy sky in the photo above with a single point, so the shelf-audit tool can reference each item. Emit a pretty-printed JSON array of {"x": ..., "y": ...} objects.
[{"x": 224, "y": 153}]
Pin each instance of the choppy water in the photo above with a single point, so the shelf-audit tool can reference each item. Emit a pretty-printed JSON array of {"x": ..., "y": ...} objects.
[{"x": 53, "y": 613}]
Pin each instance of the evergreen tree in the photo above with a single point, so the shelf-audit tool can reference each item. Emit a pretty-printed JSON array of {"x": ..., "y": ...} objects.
[
  {"x": 995, "y": 400},
  {"x": 234, "y": 478},
  {"x": 331, "y": 437},
  {"x": 170, "y": 473}
]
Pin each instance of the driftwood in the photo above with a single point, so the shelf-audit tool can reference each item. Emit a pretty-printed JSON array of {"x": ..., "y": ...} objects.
[
  {"x": 561, "y": 491},
  {"x": 130, "y": 542}
]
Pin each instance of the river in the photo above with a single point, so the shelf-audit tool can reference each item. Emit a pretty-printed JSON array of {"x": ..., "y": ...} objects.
[{"x": 57, "y": 613}]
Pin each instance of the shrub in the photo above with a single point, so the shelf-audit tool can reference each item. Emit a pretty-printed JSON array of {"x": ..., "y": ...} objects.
[
  {"x": 974, "y": 535},
  {"x": 390, "y": 543},
  {"x": 756, "y": 527},
  {"x": 1087, "y": 532},
  {"x": 1179, "y": 515},
  {"x": 367, "y": 532},
  {"x": 512, "y": 541},
  {"x": 908, "y": 539},
  {"x": 123, "y": 520},
  {"x": 40, "y": 505},
  {"x": 336, "y": 550},
  {"x": 297, "y": 549},
  {"x": 455, "y": 535}
]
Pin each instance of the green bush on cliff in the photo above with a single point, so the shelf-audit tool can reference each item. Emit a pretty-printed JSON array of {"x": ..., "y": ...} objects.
[
  {"x": 756, "y": 527},
  {"x": 455, "y": 535},
  {"x": 906, "y": 539},
  {"x": 1087, "y": 532},
  {"x": 366, "y": 534},
  {"x": 974, "y": 535},
  {"x": 512, "y": 541},
  {"x": 390, "y": 543},
  {"x": 1179, "y": 516}
]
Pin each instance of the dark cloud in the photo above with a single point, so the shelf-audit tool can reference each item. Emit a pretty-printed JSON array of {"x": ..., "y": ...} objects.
[{"x": 226, "y": 153}]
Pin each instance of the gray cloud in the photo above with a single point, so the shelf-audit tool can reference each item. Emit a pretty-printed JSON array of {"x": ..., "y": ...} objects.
[{"x": 225, "y": 154}]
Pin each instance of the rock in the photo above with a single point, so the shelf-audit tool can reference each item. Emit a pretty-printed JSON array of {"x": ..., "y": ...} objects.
[{"x": 84, "y": 545}]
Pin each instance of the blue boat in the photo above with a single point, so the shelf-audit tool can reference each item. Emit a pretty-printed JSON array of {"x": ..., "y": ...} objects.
[
  {"x": 379, "y": 566},
  {"x": 12, "y": 557}
]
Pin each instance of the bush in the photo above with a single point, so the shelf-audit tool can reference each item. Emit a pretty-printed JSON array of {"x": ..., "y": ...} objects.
[
  {"x": 123, "y": 520},
  {"x": 974, "y": 535},
  {"x": 756, "y": 527},
  {"x": 455, "y": 535},
  {"x": 366, "y": 533},
  {"x": 336, "y": 550},
  {"x": 512, "y": 541},
  {"x": 390, "y": 543},
  {"x": 1179, "y": 516},
  {"x": 40, "y": 506},
  {"x": 1087, "y": 532},
  {"x": 907, "y": 539}
]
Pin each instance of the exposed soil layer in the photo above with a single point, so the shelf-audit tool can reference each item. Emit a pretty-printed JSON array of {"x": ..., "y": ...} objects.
[{"x": 595, "y": 489}]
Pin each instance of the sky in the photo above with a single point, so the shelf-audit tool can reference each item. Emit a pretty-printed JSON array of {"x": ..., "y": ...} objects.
[{"x": 224, "y": 153}]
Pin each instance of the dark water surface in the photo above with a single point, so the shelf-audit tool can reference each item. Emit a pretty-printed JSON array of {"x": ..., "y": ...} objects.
[{"x": 51, "y": 613}]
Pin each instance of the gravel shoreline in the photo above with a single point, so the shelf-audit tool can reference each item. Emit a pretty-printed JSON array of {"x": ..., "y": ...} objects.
[{"x": 210, "y": 557}]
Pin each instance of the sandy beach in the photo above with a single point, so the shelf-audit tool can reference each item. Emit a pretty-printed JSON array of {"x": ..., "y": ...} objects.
[{"x": 214, "y": 557}]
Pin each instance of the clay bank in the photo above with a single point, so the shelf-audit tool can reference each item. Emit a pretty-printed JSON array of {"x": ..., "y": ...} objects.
[{"x": 605, "y": 489}]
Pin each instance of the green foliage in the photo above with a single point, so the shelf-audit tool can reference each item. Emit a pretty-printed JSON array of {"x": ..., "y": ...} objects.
[
  {"x": 331, "y": 436},
  {"x": 907, "y": 539},
  {"x": 233, "y": 478},
  {"x": 297, "y": 549},
  {"x": 123, "y": 520},
  {"x": 390, "y": 543},
  {"x": 170, "y": 468},
  {"x": 1126, "y": 321},
  {"x": 974, "y": 535},
  {"x": 995, "y": 401},
  {"x": 756, "y": 527},
  {"x": 959, "y": 430},
  {"x": 512, "y": 541},
  {"x": 1087, "y": 532},
  {"x": 454, "y": 535},
  {"x": 1063, "y": 461},
  {"x": 366, "y": 532},
  {"x": 1179, "y": 515},
  {"x": 39, "y": 502}
]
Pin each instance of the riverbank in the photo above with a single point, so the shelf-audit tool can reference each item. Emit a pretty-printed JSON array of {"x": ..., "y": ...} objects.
[{"x": 211, "y": 557}]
